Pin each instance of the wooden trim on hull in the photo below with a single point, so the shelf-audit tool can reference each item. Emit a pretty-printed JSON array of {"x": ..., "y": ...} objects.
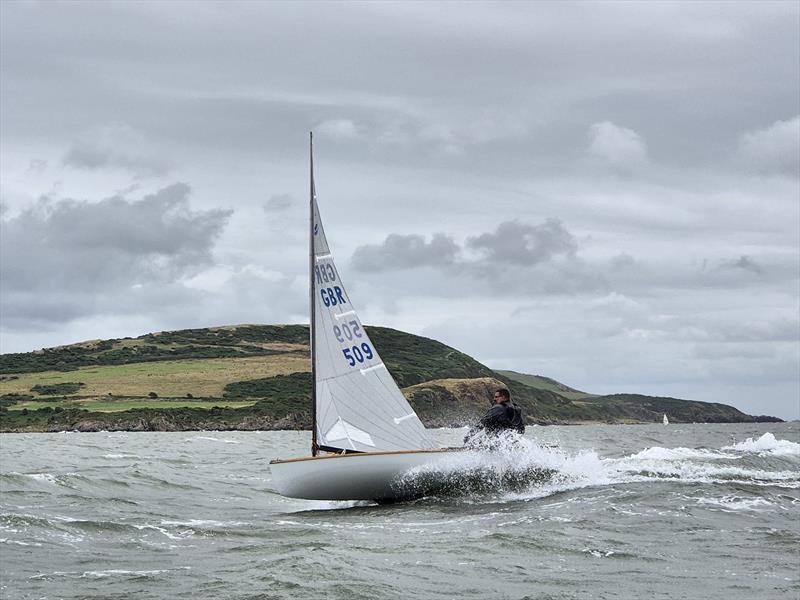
[{"x": 278, "y": 461}]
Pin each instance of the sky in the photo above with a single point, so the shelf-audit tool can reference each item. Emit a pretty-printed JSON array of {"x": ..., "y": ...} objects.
[{"x": 607, "y": 194}]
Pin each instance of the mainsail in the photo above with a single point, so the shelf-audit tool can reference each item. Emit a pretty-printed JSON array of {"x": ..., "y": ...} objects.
[{"x": 358, "y": 405}]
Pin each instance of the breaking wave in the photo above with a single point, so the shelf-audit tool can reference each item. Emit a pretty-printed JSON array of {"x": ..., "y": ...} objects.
[
  {"x": 768, "y": 444},
  {"x": 519, "y": 465}
]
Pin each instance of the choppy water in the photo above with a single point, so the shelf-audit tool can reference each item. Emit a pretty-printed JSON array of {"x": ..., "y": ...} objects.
[{"x": 684, "y": 511}]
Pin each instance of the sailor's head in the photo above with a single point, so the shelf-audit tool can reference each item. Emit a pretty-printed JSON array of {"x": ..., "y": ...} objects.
[{"x": 501, "y": 395}]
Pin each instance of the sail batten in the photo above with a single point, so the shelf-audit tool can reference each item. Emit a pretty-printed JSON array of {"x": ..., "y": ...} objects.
[{"x": 358, "y": 406}]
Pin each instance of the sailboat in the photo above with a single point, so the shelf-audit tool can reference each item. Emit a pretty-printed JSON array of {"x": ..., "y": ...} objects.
[
  {"x": 365, "y": 436},
  {"x": 665, "y": 420}
]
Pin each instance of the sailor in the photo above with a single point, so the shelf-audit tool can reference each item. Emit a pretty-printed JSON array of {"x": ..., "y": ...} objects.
[{"x": 504, "y": 415}]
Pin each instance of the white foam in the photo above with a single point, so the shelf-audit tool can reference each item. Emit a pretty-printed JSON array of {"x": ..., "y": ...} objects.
[
  {"x": 586, "y": 468},
  {"x": 51, "y": 478},
  {"x": 634, "y": 469},
  {"x": 173, "y": 536},
  {"x": 18, "y": 542},
  {"x": 510, "y": 458},
  {"x": 127, "y": 573},
  {"x": 46, "y": 477},
  {"x": 767, "y": 443},
  {"x": 658, "y": 453},
  {"x": 598, "y": 553},
  {"x": 211, "y": 439},
  {"x": 204, "y": 523},
  {"x": 108, "y": 573},
  {"x": 735, "y": 503}
]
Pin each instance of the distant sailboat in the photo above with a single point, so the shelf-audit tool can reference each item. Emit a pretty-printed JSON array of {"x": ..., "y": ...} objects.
[
  {"x": 665, "y": 420},
  {"x": 359, "y": 415}
]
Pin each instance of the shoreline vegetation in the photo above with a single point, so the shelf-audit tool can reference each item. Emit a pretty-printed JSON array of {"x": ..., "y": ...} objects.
[{"x": 257, "y": 377}]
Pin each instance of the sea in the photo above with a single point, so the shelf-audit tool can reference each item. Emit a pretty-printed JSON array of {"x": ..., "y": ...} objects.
[{"x": 690, "y": 511}]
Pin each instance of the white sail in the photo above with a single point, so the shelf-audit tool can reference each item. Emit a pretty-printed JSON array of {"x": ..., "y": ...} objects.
[
  {"x": 358, "y": 404},
  {"x": 665, "y": 420}
]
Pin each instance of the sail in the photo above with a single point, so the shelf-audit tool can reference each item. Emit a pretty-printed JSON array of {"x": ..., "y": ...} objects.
[{"x": 358, "y": 405}]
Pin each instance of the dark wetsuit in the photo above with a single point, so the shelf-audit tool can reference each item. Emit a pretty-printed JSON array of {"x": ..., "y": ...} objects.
[{"x": 505, "y": 416}]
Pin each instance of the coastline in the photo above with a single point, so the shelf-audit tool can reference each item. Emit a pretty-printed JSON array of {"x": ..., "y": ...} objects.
[{"x": 288, "y": 423}]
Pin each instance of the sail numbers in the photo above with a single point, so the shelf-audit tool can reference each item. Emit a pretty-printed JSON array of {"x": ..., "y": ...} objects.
[
  {"x": 348, "y": 330},
  {"x": 358, "y": 354}
]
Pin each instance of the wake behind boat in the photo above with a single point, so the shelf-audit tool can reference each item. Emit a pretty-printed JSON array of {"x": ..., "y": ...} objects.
[{"x": 360, "y": 418}]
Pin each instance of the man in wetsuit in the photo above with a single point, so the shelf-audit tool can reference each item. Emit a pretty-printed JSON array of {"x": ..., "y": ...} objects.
[{"x": 504, "y": 415}]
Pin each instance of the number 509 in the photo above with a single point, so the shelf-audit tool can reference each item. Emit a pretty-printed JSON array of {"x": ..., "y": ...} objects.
[{"x": 358, "y": 354}]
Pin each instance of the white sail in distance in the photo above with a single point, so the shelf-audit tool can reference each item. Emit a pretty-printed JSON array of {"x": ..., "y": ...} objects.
[{"x": 358, "y": 404}]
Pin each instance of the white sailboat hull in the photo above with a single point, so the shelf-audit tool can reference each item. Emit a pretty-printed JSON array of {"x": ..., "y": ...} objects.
[
  {"x": 403, "y": 475},
  {"x": 365, "y": 476}
]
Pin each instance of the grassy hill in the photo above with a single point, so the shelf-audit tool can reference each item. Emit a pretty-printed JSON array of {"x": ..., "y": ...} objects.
[{"x": 257, "y": 377}]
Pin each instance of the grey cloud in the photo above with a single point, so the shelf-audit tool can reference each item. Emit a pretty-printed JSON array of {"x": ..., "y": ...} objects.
[
  {"x": 406, "y": 252},
  {"x": 279, "y": 202},
  {"x": 511, "y": 244},
  {"x": 31, "y": 310},
  {"x": 523, "y": 244},
  {"x": 184, "y": 77},
  {"x": 731, "y": 330},
  {"x": 766, "y": 329},
  {"x": 623, "y": 281},
  {"x": 746, "y": 264},
  {"x": 719, "y": 352},
  {"x": 622, "y": 260},
  {"x": 514, "y": 259},
  {"x": 774, "y": 149},
  {"x": 683, "y": 274},
  {"x": 37, "y": 165},
  {"x": 116, "y": 145},
  {"x": 65, "y": 257}
]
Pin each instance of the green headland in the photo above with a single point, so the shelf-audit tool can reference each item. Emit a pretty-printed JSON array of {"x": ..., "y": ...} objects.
[{"x": 258, "y": 377}]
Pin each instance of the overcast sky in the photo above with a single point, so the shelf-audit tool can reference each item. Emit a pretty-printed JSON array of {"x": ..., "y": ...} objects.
[{"x": 603, "y": 193}]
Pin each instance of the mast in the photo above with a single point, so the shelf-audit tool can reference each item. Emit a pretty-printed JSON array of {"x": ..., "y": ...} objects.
[{"x": 312, "y": 299}]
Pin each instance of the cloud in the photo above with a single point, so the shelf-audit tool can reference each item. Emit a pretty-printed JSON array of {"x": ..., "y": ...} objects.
[
  {"x": 523, "y": 261},
  {"x": 774, "y": 149},
  {"x": 116, "y": 146},
  {"x": 616, "y": 146},
  {"x": 341, "y": 129},
  {"x": 523, "y": 244},
  {"x": 279, "y": 202},
  {"x": 66, "y": 258},
  {"x": 745, "y": 263},
  {"x": 512, "y": 243},
  {"x": 406, "y": 252},
  {"x": 516, "y": 259},
  {"x": 37, "y": 165},
  {"x": 623, "y": 260}
]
